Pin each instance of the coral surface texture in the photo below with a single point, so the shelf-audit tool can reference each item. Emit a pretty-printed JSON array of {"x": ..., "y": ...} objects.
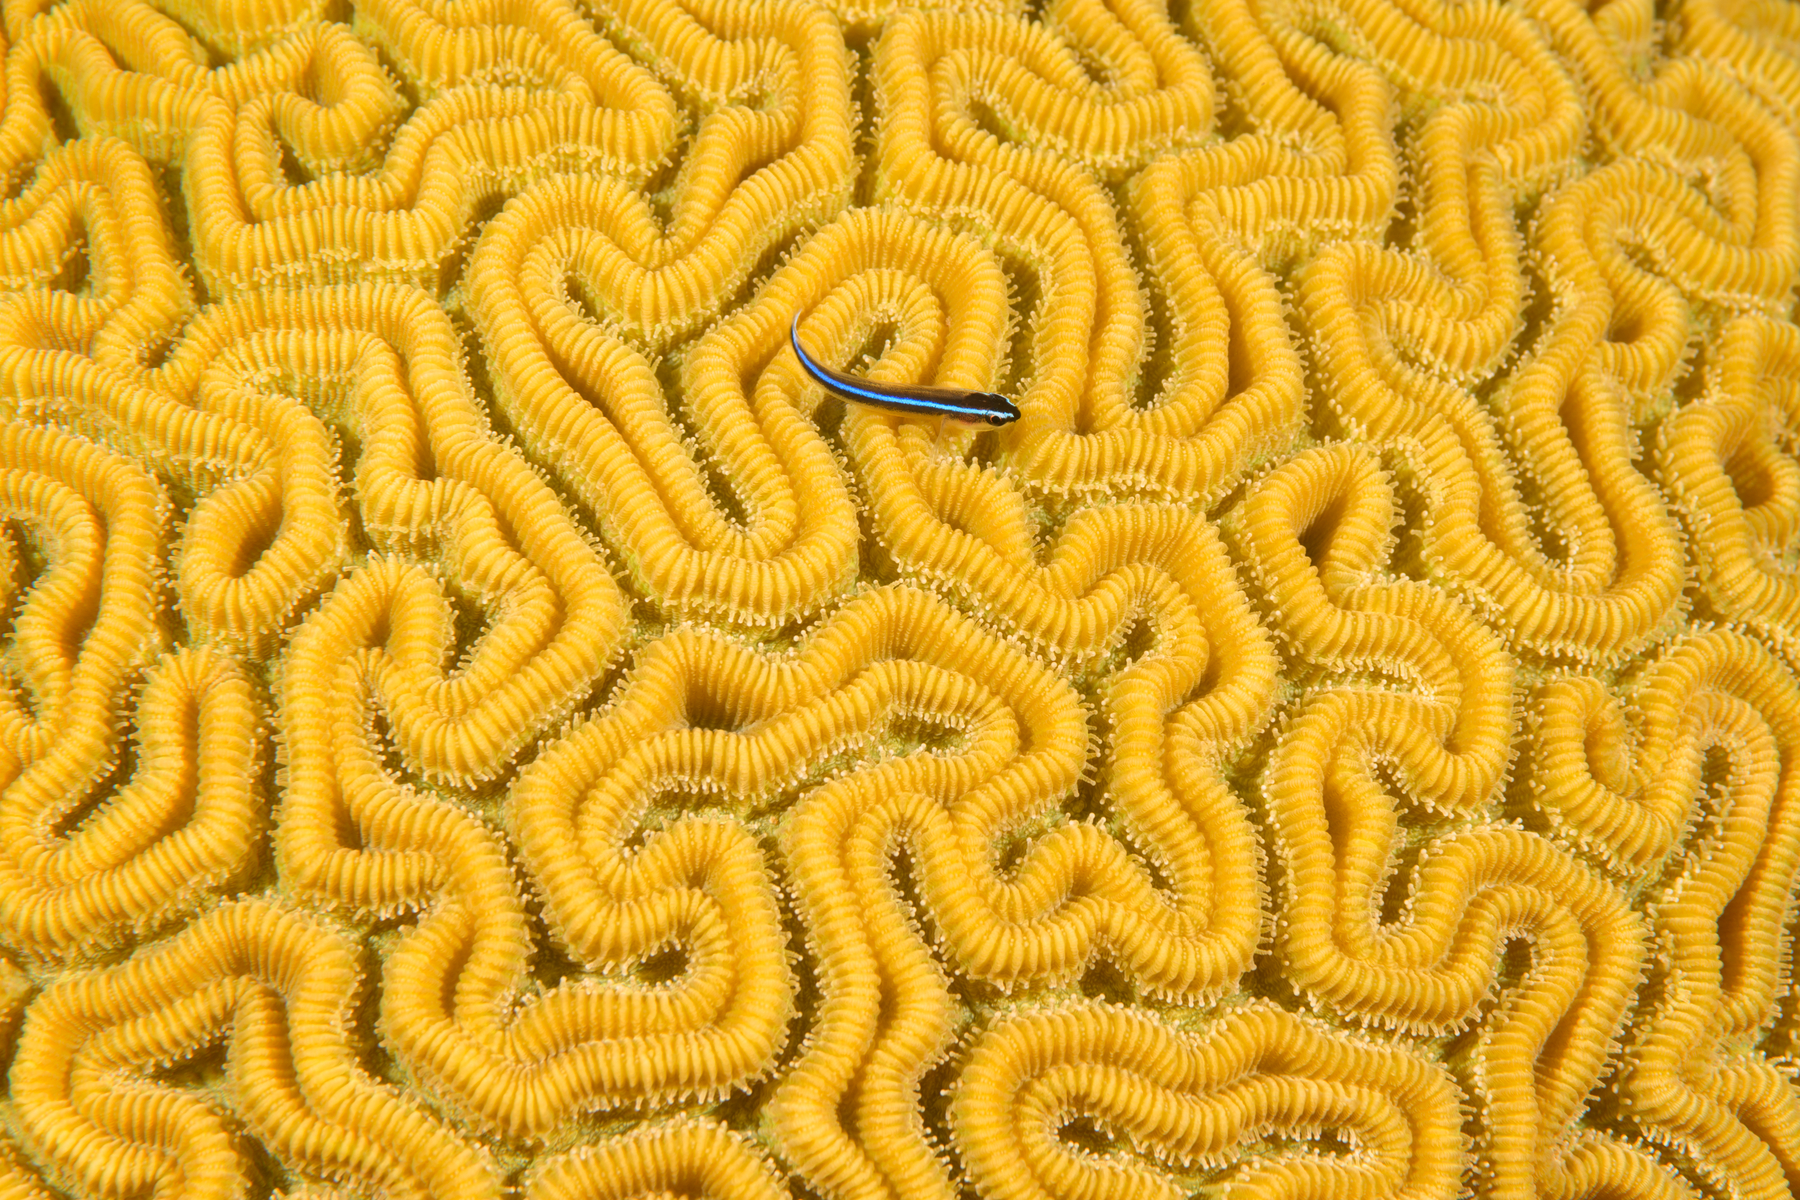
[{"x": 478, "y": 721}]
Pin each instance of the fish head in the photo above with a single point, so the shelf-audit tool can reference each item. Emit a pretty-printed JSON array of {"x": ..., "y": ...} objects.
[{"x": 999, "y": 410}]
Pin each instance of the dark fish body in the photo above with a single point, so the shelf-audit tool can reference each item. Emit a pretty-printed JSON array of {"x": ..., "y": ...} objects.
[{"x": 976, "y": 408}]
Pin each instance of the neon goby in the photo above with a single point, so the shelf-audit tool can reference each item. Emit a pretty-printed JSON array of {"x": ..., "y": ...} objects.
[{"x": 955, "y": 404}]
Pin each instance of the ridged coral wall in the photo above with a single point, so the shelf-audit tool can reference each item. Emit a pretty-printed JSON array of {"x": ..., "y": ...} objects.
[{"x": 475, "y": 721}]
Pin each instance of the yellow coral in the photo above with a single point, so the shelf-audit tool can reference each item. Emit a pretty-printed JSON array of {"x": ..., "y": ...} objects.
[{"x": 475, "y": 718}]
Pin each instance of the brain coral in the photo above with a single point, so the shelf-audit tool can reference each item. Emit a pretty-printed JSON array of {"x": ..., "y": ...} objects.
[{"x": 477, "y": 721}]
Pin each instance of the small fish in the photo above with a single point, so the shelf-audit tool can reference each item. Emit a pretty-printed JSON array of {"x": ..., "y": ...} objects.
[{"x": 954, "y": 404}]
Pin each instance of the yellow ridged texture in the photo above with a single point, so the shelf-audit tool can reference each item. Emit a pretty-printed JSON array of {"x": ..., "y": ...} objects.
[{"x": 478, "y": 721}]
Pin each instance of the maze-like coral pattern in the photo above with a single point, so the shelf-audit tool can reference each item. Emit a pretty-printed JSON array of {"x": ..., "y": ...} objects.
[{"x": 475, "y": 721}]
